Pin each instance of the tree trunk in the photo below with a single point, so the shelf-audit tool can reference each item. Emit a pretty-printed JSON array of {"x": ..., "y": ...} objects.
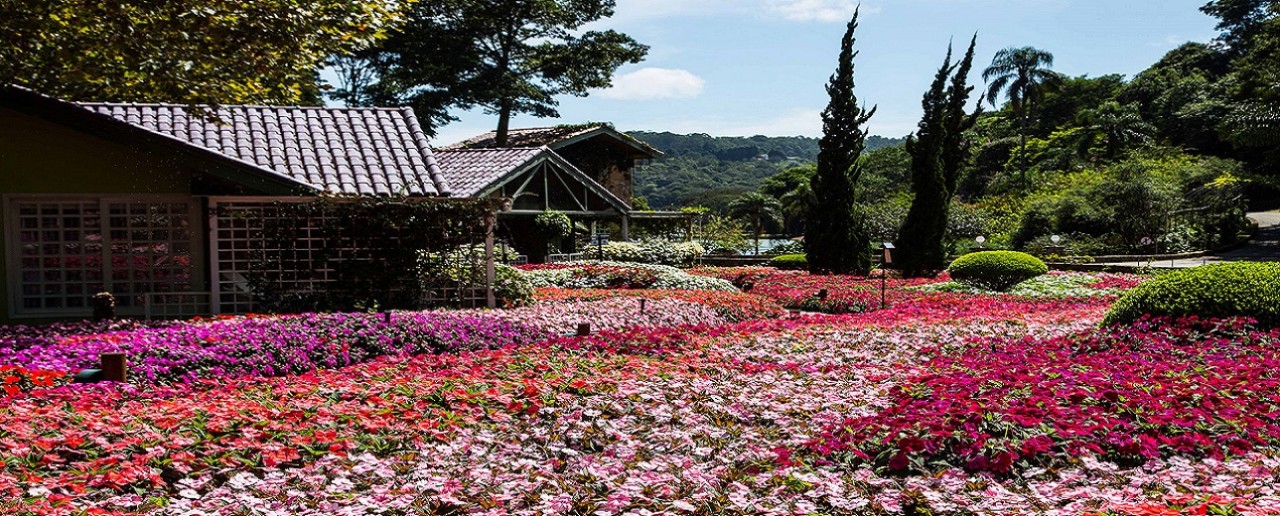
[
  {"x": 504, "y": 123},
  {"x": 505, "y": 104}
]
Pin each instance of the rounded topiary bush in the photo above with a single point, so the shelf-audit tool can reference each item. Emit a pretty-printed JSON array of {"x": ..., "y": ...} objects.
[
  {"x": 1224, "y": 290},
  {"x": 790, "y": 262},
  {"x": 996, "y": 270}
]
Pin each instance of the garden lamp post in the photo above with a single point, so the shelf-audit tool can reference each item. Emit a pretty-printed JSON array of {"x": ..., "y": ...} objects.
[
  {"x": 886, "y": 248},
  {"x": 981, "y": 240},
  {"x": 1057, "y": 248}
]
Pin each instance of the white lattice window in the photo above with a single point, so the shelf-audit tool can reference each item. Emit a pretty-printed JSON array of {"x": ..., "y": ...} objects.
[
  {"x": 63, "y": 250},
  {"x": 241, "y": 249}
]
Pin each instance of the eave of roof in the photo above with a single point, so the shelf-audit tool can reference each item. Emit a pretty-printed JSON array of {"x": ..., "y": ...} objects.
[
  {"x": 531, "y": 159},
  {"x": 558, "y": 137},
  {"x": 73, "y": 116}
]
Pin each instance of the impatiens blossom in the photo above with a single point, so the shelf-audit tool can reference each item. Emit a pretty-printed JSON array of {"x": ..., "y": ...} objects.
[{"x": 697, "y": 403}]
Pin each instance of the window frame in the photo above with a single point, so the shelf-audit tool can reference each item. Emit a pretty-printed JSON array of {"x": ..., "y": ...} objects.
[{"x": 9, "y": 203}]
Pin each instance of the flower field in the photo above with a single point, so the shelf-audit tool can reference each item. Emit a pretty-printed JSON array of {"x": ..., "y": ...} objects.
[{"x": 707, "y": 402}]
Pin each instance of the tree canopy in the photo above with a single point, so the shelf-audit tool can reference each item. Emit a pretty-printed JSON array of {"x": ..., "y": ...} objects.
[
  {"x": 188, "y": 51},
  {"x": 509, "y": 57}
]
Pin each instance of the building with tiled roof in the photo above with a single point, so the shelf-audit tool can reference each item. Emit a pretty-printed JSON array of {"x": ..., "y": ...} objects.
[
  {"x": 351, "y": 151},
  {"x": 167, "y": 205},
  {"x": 140, "y": 199},
  {"x": 606, "y": 155}
]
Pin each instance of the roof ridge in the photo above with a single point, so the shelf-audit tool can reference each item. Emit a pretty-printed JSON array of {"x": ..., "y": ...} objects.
[
  {"x": 491, "y": 149},
  {"x": 441, "y": 183},
  {"x": 240, "y": 106}
]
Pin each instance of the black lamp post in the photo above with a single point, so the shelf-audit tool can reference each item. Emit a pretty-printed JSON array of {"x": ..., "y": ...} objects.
[{"x": 886, "y": 248}]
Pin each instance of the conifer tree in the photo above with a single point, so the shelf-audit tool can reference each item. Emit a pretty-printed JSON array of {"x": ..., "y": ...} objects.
[
  {"x": 938, "y": 152},
  {"x": 836, "y": 239}
]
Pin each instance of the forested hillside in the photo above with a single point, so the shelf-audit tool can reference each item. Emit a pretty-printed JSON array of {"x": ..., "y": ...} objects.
[{"x": 706, "y": 170}]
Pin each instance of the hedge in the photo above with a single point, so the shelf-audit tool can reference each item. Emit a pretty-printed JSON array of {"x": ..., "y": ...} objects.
[
  {"x": 1241, "y": 289},
  {"x": 996, "y": 270},
  {"x": 790, "y": 262}
]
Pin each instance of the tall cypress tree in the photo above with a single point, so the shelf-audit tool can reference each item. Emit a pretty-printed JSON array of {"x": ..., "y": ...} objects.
[
  {"x": 938, "y": 152},
  {"x": 955, "y": 148},
  {"x": 836, "y": 239}
]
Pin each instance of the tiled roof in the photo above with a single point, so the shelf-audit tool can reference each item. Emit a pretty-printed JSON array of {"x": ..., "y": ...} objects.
[
  {"x": 356, "y": 151},
  {"x": 552, "y": 137},
  {"x": 471, "y": 170}
]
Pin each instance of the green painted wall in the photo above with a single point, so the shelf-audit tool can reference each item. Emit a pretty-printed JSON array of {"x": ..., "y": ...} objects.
[{"x": 38, "y": 157}]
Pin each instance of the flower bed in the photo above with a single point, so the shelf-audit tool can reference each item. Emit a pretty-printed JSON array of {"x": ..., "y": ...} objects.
[
  {"x": 613, "y": 313},
  {"x": 1055, "y": 284},
  {"x": 801, "y": 290},
  {"x": 274, "y": 346},
  {"x": 702, "y": 418},
  {"x": 1158, "y": 389},
  {"x": 733, "y": 306},
  {"x": 689, "y": 418},
  {"x": 619, "y": 275}
]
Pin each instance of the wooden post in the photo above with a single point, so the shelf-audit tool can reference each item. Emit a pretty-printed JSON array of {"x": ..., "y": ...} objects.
[
  {"x": 642, "y": 303},
  {"x": 386, "y": 317},
  {"x": 115, "y": 367},
  {"x": 626, "y": 228},
  {"x": 584, "y": 329},
  {"x": 491, "y": 299}
]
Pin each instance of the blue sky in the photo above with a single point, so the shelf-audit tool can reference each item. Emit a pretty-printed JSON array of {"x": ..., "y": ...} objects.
[{"x": 746, "y": 67}]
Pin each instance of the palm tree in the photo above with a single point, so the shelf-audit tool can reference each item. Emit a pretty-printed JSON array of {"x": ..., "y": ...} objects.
[
  {"x": 796, "y": 203},
  {"x": 1020, "y": 74},
  {"x": 757, "y": 208},
  {"x": 1118, "y": 126}
]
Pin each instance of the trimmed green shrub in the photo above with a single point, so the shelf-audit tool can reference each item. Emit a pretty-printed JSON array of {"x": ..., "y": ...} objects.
[
  {"x": 1223, "y": 290},
  {"x": 790, "y": 262},
  {"x": 996, "y": 270}
]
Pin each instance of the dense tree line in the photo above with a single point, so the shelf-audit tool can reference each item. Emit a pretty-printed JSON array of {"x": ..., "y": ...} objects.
[
  {"x": 711, "y": 171},
  {"x": 1164, "y": 161}
]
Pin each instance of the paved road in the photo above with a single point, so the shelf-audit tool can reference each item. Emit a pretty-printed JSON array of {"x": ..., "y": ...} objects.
[{"x": 1265, "y": 246}]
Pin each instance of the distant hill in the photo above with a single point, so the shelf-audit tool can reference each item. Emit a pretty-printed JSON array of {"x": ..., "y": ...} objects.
[{"x": 712, "y": 170}]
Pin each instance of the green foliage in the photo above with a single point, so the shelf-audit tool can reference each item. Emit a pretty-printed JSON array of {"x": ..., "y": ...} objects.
[
  {"x": 510, "y": 287},
  {"x": 790, "y": 262},
  {"x": 996, "y": 270},
  {"x": 655, "y": 251},
  {"x": 720, "y": 234},
  {"x": 1021, "y": 74},
  {"x": 1223, "y": 290},
  {"x": 696, "y": 168},
  {"x": 758, "y": 210},
  {"x": 553, "y": 224},
  {"x": 1114, "y": 128},
  {"x": 509, "y": 57},
  {"x": 1157, "y": 195},
  {"x": 199, "y": 52},
  {"x": 791, "y": 247},
  {"x": 937, "y": 151},
  {"x": 836, "y": 240},
  {"x": 372, "y": 254}
]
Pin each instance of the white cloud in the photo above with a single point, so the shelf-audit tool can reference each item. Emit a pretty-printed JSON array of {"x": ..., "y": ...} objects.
[
  {"x": 814, "y": 10},
  {"x": 655, "y": 83}
]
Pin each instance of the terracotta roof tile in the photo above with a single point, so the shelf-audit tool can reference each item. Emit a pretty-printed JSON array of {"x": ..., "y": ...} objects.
[
  {"x": 355, "y": 151},
  {"x": 471, "y": 170}
]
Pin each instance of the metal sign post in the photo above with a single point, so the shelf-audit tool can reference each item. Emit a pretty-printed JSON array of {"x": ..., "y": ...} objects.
[{"x": 599, "y": 240}]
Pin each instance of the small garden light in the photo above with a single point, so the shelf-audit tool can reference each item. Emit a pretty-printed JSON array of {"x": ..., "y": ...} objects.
[{"x": 887, "y": 248}]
